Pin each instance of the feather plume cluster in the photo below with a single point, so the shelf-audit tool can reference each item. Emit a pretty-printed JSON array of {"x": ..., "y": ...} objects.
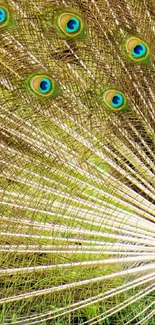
[{"x": 77, "y": 161}]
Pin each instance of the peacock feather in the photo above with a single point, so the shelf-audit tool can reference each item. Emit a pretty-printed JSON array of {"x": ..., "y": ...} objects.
[{"x": 77, "y": 160}]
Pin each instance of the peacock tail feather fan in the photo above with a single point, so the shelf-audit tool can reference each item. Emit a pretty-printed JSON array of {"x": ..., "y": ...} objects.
[{"x": 77, "y": 160}]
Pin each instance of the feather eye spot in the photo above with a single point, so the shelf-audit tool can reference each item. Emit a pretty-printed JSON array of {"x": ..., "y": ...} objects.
[
  {"x": 73, "y": 25},
  {"x": 45, "y": 85},
  {"x": 4, "y": 16},
  {"x": 117, "y": 100},
  {"x": 114, "y": 99},
  {"x": 70, "y": 24},
  {"x": 137, "y": 49},
  {"x": 42, "y": 85}
]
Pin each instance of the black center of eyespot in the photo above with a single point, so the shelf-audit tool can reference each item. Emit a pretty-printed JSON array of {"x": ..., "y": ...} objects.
[
  {"x": 43, "y": 85},
  {"x": 115, "y": 99},
  {"x": 71, "y": 24},
  {"x": 138, "y": 49}
]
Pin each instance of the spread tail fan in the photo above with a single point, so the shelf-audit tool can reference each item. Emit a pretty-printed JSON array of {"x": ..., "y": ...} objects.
[{"x": 77, "y": 161}]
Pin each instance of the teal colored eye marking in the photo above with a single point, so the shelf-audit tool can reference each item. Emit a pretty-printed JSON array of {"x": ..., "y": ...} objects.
[
  {"x": 139, "y": 50},
  {"x": 3, "y": 15},
  {"x": 117, "y": 100},
  {"x": 114, "y": 99},
  {"x": 42, "y": 85},
  {"x": 70, "y": 24},
  {"x": 73, "y": 25},
  {"x": 45, "y": 86}
]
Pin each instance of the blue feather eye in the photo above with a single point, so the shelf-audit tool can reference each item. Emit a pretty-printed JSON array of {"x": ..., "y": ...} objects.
[
  {"x": 70, "y": 24},
  {"x": 42, "y": 85},
  {"x": 45, "y": 85},
  {"x": 117, "y": 101},
  {"x": 114, "y": 99},
  {"x": 4, "y": 16},
  {"x": 137, "y": 49},
  {"x": 73, "y": 25}
]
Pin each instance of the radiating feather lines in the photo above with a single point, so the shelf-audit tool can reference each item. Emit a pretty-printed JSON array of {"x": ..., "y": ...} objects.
[
  {"x": 76, "y": 136},
  {"x": 123, "y": 305},
  {"x": 110, "y": 225},
  {"x": 98, "y": 180},
  {"x": 56, "y": 142},
  {"x": 108, "y": 195},
  {"x": 95, "y": 194},
  {"x": 144, "y": 310},
  {"x": 76, "y": 306},
  {"x": 31, "y": 269}
]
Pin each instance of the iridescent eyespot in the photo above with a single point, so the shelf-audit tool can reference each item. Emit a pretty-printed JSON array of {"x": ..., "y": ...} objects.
[
  {"x": 70, "y": 24},
  {"x": 137, "y": 49},
  {"x": 4, "y": 16},
  {"x": 114, "y": 99},
  {"x": 42, "y": 85}
]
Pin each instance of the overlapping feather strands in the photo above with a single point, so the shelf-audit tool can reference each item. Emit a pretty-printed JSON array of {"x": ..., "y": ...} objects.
[{"x": 77, "y": 122}]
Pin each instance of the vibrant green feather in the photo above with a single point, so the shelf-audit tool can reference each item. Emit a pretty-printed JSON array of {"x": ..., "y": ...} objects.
[{"x": 77, "y": 157}]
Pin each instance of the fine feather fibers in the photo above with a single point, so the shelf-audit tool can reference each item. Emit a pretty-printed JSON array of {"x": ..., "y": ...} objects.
[{"x": 77, "y": 217}]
